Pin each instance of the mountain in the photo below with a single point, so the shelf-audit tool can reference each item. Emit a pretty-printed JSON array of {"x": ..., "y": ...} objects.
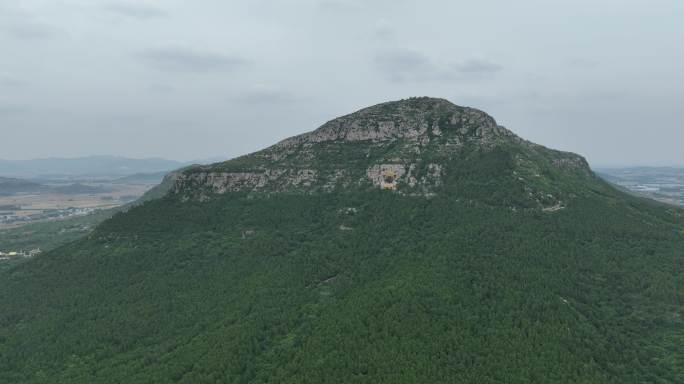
[
  {"x": 419, "y": 147},
  {"x": 413, "y": 241},
  {"x": 85, "y": 166}
]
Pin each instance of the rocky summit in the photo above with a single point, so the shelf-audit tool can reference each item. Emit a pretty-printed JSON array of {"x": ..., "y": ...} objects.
[
  {"x": 410, "y": 146},
  {"x": 413, "y": 241}
]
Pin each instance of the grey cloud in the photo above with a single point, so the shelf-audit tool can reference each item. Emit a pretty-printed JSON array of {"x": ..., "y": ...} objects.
[
  {"x": 11, "y": 109},
  {"x": 406, "y": 65},
  {"x": 179, "y": 59},
  {"x": 358, "y": 5},
  {"x": 135, "y": 10},
  {"x": 265, "y": 95},
  {"x": 477, "y": 66},
  {"x": 339, "y": 5},
  {"x": 384, "y": 29},
  {"x": 162, "y": 88},
  {"x": 188, "y": 64},
  {"x": 583, "y": 63},
  {"x": 31, "y": 30},
  {"x": 10, "y": 81},
  {"x": 127, "y": 118}
]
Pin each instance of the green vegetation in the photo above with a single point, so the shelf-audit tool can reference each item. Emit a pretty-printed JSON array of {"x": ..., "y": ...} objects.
[
  {"x": 419, "y": 290},
  {"x": 476, "y": 282},
  {"x": 9, "y": 264},
  {"x": 51, "y": 234}
]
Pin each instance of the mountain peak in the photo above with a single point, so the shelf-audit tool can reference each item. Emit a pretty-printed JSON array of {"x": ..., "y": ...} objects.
[
  {"x": 422, "y": 104},
  {"x": 413, "y": 118}
]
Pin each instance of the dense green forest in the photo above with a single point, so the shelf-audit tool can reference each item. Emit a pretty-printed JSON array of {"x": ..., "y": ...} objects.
[
  {"x": 253, "y": 290},
  {"x": 51, "y": 234},
  {"x": 505, "y": 262}
]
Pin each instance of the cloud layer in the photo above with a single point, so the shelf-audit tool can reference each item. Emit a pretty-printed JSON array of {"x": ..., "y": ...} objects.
[
  {"x": 135, "y": 10},
  {"x": 181, "y": 59},
  {"x": 184, "y": 80},
  {"x": 408, "y": 65}
]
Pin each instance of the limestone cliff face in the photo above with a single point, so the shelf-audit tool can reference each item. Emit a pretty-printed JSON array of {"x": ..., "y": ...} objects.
[
  {"x": 404, "y": 146},
  {"x": 224, "y": 182}
]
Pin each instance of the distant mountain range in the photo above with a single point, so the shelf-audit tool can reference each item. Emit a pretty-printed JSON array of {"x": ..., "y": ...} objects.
[
  {"x": 89, "y": 166},
  {"x": 11, "y": 186}
]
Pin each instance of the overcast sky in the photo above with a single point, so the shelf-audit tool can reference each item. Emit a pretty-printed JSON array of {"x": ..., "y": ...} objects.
[{"x": 195, "y": 79}]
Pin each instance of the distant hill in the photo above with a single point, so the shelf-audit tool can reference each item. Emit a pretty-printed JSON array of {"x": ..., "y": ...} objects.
[
  {"x": 78, "y": 188},
  {"x": 11, "y": 186},
  {"x": 86, "y": 166}
]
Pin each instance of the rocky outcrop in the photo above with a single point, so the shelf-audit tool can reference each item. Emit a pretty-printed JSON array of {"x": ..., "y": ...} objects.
[
  {"x": 572, "y": 162},
  {"x": 413, "y": 119},
  {"x": 404, "y": 146},
  {"x": 223, "y": 182},
  {"x": 431, "y": 177},
  {"x": 303, "y": 177},
  {"x": 386, "y": 176}
]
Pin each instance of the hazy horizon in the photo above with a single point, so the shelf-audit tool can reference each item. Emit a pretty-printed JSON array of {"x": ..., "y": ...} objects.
[
  {"x": 131, "y": 78},
  {"x": 218, "y": 158}
]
